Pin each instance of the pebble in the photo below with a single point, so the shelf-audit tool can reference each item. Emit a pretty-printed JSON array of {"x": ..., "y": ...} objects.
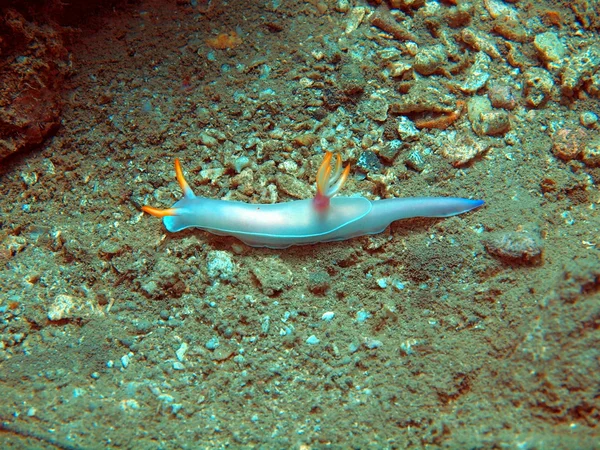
[
  {"x": 375, "y": 108},
  {"x": 549, "y": 47},
  {"x": 581, "y": 66},
  {"x": 430, "y": 59},
  {"x": 568, "y": 143},
  {"x": 125, "y": 361},
  {"x": 501, "y": 96},
  {"x": 212, "y": 343},
  {"x": 368, "y": 162},
  {"x": 313, "y": 340},
  {"x": 516, "y": 247},
  {"x": 220, "y": 265},
  {"x": 494, "y": 123},
  {"x": 591, "y": 153},
  {"x": 407, "y": 130},
  {"x": 328, "y": 316},
  {"x": 538, "y": 86},
  {"x": 485, "y": 120},
  {"x": 372, "y": 343},
  {"x": 390, "y": 150},
  {"x": 362, "y": 316},
  {"x": 477, "y": 75},
  {"x": 180, "y": 353},
  {"x": 588, "y": 119}
]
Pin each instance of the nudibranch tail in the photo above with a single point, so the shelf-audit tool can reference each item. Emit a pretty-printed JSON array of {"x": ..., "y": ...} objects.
[{"x": 328, "y": 183}]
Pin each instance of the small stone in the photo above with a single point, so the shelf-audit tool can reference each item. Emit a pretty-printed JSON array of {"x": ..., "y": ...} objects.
[
  {"x": 372, "y": 344},
  {"x": 212, "y": 343},
  {"x": 69, "y": 307},
  {"x": 462, "y": 153},
  {"x": 476, "y": 108},
  {"x": 211, "y": 175},
  {"x": 61, "y": 307},
  {"x": 382, "y": 283},
  {"x": 368, "y": 162},
  {"x": 375, "y": 108},
  {"x": 208, "y": 140},
  {"x": 516, "y": 247},
  {"x": 220, "y": 265},
  {"x": 414, "y": 161},
  {"x": 539, "y": 84},
  {"x": 501, "y": 96},
  {"x": 477, "y": 75},
  {"x": 549, "y": 47},
  {"x": 398, "y": 68},
  {"x": 430, "y": 59},
  {"x": 580, "y": 68},
  {"x": 342, "y": 6},
  {"x": 588, "y": 119},
  {"x": 495, "y": 122},
  {"x": 511, "y": 29},
  {"x": 568, "y": 143},
  {"x": 390, "y": 150},
  {"x": 177, "y": 365},
  {"x": 180, "y": 353},
  {"x": 241, "y": 163},
  {"x": 591, "y": 153},
  {"x": 313, "y": 340},
  {"x": 407, "y": 130},
  {"x": 328, "y": 316},
  {"x": 319, "y": 282}
]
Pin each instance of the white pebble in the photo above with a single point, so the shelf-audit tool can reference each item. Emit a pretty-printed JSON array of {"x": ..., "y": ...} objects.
[
  {"x": 312, "y": 340},
  {"x": 328, "y": 316},
  {"x": 180, "y": 353}
]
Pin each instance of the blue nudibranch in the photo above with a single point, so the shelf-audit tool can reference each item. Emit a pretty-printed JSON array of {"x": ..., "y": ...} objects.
[{"x": 321, "y": 219}]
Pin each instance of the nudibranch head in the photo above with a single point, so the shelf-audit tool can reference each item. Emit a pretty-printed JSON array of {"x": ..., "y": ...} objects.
[
  {"x": 330, "y": 179},
  {"x": 187, "y": 193}
]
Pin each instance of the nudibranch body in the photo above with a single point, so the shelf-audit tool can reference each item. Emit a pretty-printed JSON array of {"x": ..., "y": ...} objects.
[{"x": 321, "y": 219}]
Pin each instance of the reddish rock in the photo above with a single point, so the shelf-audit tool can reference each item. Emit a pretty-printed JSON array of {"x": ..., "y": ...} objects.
[
  {"x": 30, "y": 104},
  {"x": 568, "y": 143}
]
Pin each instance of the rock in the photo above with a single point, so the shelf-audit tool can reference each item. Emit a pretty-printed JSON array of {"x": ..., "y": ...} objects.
[
  {"x": 220, "y": 265},
  {"x": 588, "y": 119},
  {"x": 375, "y": 108},
  {"x": 538, "y": 86},
  {"x": 477, "y": 75},
  {"x": 35, "y": 65},
  {"x": 462, "y": 153},
  {"x": 70, "y": 307},
  {"x": 430, "y": 59},
  {"x": 580, "y": 68},
  {"x": 501, "y": 96},
  {"x": 516, "y": 247},
  {"x": 568, "y": 143},
  {"x": 549, "y": 47},
  {"x": 368, "y": 162},
  {"x": 407, "y": 130},
  {"x": 494, "y": 123},
  {"x": 591, "y": 153},
  {"x": 273, "y": 275}
]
